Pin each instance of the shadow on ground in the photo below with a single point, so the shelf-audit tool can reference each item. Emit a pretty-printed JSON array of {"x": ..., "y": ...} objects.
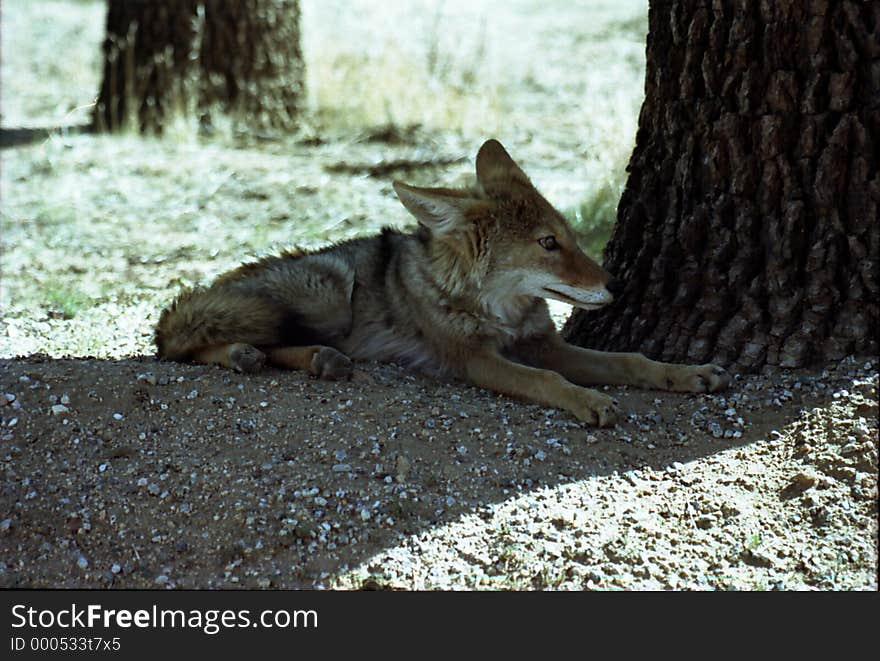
[
  {"x": 16, "y": 137},
  {"x": 135, "y": 473}
]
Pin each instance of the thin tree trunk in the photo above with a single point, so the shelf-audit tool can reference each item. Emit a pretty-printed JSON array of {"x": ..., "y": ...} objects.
[
  {"x": 748, "y": 230},
  {"x": 166, "y": 58}
]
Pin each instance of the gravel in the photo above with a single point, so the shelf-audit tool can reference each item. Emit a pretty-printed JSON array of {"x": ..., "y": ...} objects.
[{"x": 278, "y": 480}]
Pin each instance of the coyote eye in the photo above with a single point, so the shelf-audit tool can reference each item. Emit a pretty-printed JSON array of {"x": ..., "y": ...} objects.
[{"x": 548, "y": 242}]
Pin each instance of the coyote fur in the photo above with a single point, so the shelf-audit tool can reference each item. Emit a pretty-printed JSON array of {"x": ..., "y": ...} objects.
[{"x": 461, "y": 295}]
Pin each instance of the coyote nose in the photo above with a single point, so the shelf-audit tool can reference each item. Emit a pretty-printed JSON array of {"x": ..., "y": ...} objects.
[{"x": 615, "y": 287}]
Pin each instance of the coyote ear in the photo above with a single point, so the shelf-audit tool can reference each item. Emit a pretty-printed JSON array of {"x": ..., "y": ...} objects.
[
  {"x": 496, "y": 171},
  {"x": 438, "y": 209}
]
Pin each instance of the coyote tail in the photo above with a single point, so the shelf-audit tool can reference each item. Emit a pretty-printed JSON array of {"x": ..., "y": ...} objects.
[{"x": 204, "y": 317}]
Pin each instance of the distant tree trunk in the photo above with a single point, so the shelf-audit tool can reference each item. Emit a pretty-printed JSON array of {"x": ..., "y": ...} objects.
[
  {"x": 166, "y": 57},
  {"x": 748, "y": 230}
]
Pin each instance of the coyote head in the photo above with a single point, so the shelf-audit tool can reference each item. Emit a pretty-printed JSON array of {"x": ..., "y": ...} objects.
[{"x": 503, "y": 241}]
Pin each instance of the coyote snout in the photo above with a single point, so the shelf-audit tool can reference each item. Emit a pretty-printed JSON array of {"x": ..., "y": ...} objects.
[{"x": 463, "y": 293}]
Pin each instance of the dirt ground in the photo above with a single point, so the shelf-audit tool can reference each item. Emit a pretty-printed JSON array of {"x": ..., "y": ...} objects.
[{"x": 120, "y": 471}]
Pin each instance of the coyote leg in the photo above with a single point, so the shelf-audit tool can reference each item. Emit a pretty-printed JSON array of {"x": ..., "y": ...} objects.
[
  {"x": 590, "y": 367},
  {"x": 496, "y": 373},
  {"x": 323, "y": 362},
  {"x": 239, "y": 356}
]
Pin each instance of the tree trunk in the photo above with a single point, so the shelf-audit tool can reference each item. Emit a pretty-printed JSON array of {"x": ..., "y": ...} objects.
[
  {"x": 166, "y": 58},
  {"x": 747, "y": 233}
]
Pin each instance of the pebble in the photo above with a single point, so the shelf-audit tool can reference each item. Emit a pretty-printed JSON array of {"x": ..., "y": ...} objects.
[
  {"x": 115, "y": 568},
  {"x": 705, "y": 521},
  {"x": 82, "y": 562},
  {"x": 803, "y": 480},
  {"x": 117, "y": 416},
  {"x": 59, "y": 409},
  {"x": 402, "y": 468},
  {"x": 341, "y": 468},
  {"x": 5, "y": 525}
]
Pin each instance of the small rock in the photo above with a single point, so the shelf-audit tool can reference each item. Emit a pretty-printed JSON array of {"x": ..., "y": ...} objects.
[
  {"x": 803, "y": 480},
  {"x": 705, "y": 521},
  {"x": 115, "y": 568},
  {"x": 403, "y": 466},
  {"x": 5, "y": 525},
  {"x": 341, "y": 468},
  {"x": 82, "y": 562},
  {"x": 59, "y": 409},
  {"x": 757, "y": 558}
]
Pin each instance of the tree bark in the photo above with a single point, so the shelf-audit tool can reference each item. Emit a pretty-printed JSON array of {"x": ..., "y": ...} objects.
[
  {"x": 166, "y": 58},
  {"x": 748, "y": 232}
]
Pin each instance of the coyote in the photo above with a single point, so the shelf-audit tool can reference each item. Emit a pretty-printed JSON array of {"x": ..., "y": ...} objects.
[{"x": 461, "y": 295}]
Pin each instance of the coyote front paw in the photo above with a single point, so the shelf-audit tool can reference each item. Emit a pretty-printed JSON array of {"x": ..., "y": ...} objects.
[
  {"x": 330, "y": 364},
  {"x": 697, "y": 378},
  {"x": 245, "y": 358},
  {"x": 597, "y": 409}
]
